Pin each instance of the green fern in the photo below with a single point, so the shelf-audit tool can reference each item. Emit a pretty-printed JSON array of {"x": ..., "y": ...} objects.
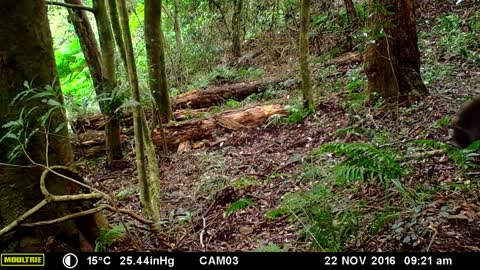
[
  {"x": 363, "y": 162},
  {"x": 107, "y": 238},
  {"x": 238, "y": 205},
  {"x": 463, "y": 159},
  {"x": 275, "y": 213},
  {"x": 324, "y": 217}
]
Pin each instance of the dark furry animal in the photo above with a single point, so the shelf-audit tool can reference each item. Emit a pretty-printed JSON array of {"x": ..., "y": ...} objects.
[{"x": 466, "y": 125}]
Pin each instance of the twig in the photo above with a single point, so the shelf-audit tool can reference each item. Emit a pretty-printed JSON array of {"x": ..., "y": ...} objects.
[
  {"x": 433, "y": 237},
  {"x": 67, "y": 5},
  {"x": 223, "y": 16},
  {"x": 202, "y": 232},
  {"x": 25, "y": 215},
  {"x": 64, "y": 218},
  {"x": 180, "y": 241},
  {"x": 424, "y": 154}
]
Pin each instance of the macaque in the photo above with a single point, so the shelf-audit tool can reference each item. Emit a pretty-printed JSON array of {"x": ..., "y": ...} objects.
[{"x": 466, "y": 124}]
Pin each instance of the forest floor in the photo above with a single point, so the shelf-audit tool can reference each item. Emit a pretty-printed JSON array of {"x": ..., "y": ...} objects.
[{"x": 229, "y": 193}]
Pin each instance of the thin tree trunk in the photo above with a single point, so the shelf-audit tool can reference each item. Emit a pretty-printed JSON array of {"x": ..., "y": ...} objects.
[
  {"x": 112, "y": 126},
  {"x": 392, "y": 58},
  {"x": 149, "y": 190},
  {"x": 303, "y": 53},
  {"x": 26, "y": 55},
  {"x": 352, "y": 17},
  {"x": 154, "y": 42},
  {"x": 182, "y": 68},
  {"x": 117, "y": 29},
  {"x": 352, "y": 14},
  {"x": 237, "y": 28},
  {"x": 89, "y": 46}
]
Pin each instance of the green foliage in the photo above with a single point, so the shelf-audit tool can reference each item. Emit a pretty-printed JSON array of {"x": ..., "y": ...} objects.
[
  {"x": 464, "y": 159},
  {"x": 74, "y": 74},
  {"x": 21, "y": 130},
  {"x": 336, "y": 20},
  {"x": 245, "y": 182},
  {"x": 380, "y": 221},
  {"x": 125, "y": 194},
  {"x": 223, "y": 74},
  {"x": 276, "y": 213},
  {"x": 107, "y": 238},
  {"x": 296, "y": 114},
  {"x": 187, "y": 217},
  {"x": 443, "y": 122},
  {"x": 270, "y": 248},
  {"x": 456, "y": 41},
  {"x": 324, "y": 218},
  {"x": 238, "y": 205},
  {"x": 436, "y": 71},
  {"x": 356, "y": 95},
  {"x": 363, "y": 162},
  {"x": 232, "y": 103}
]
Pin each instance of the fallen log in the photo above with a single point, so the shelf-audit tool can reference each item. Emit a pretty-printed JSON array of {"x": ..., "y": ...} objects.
[
  {"x": 183, "y": 104},
  {"x": 194, "y": 130},
  {"x": 187, "y": 131},
  {"x": 217, "y": 94}
]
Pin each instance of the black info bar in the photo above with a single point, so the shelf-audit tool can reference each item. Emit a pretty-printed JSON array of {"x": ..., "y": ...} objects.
[{"x": 240, "y": 260}]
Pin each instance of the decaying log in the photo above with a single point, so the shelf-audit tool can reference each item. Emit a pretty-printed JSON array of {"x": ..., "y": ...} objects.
[
  {"x": 194, "y": 130},
  {"x": 188, "y": 131},
  {"x": 187, "y": 105},
  {"x": 217, "y": 94}
]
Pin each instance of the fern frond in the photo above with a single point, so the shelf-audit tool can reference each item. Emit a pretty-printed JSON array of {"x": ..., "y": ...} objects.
[{"x": 362, "y": 161}]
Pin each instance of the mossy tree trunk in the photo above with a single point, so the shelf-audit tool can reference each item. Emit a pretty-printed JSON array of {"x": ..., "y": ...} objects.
[
  {"x": 102, "y": 70},
  {"x": 237, "y": 28},
  {"x": 26, "y": 55},
  {"x": 117, "y": 29},
  {"x": 303, "y": 53},
  {"x": 182, "y": 77},
  {"x": 392, "y": 58},
  {"x": 154, "y": 42},
  {"x": 149, "y": 188}
]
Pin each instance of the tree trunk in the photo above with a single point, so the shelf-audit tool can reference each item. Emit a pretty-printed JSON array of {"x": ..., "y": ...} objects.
[
  {"x": 149, "y": 190},
  {"x": 112, "y": 126},
  {"x": 26, "y": 55},
  {"x": 182, "y": 68},
  {"x": 237, "y": 28},
  {"x": 303, "y": 55},
  {"x": 100, "y": 70},
  {"x": 392, "y": 58},
  {"x": 117, "y": 29},
  {"x": 154, "y": 43},
  {"x": 89, "y": 45},
  {"x": 352, "y": 15}
]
